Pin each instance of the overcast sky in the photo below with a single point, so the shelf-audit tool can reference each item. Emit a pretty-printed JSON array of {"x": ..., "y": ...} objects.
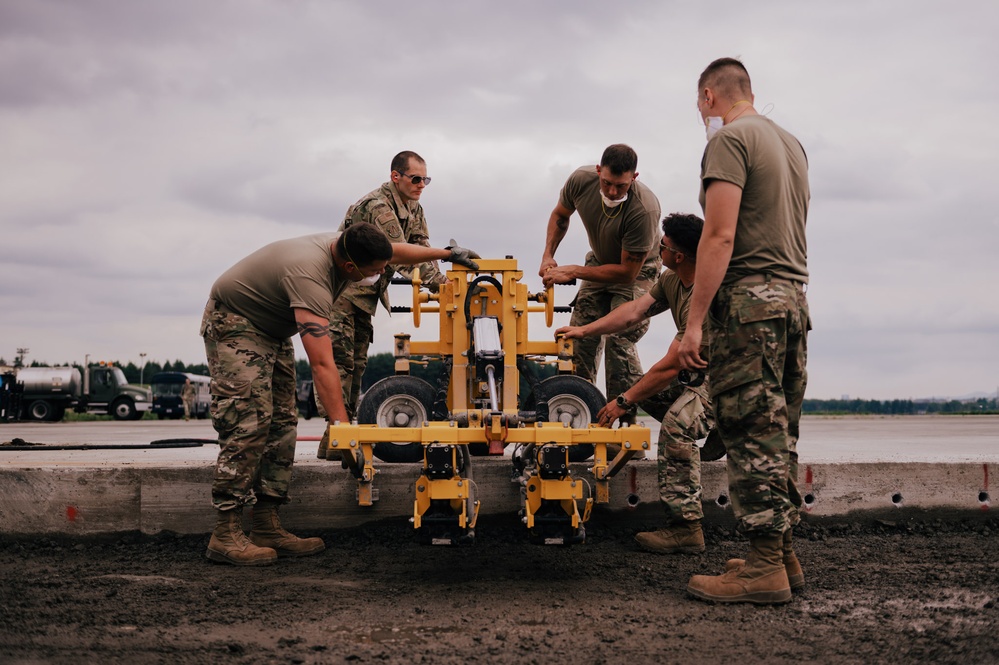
[{"x": 147, "y": 146}]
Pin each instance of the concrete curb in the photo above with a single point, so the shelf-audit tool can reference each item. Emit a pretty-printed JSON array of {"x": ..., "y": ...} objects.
[{"x": 90, "y": 500}]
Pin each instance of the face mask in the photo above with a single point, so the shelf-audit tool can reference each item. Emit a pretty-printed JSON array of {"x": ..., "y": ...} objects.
[
  {"x": 369, "y": 281},
  {"x": 613, "y": 204},
  {"x": 712, "y": 124}
]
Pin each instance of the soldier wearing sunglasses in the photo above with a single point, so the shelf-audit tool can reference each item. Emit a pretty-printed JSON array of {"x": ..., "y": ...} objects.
[{"x": 395, "y": 208}]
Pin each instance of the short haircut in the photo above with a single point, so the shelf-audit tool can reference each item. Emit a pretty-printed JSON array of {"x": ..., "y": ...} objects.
[
  {"x": 364, "y": 243},
  {"x": 729, "y": 76},
  {"x": 684, "y": 230},
  {"x": 401, "y": 161},
  {"x": 620, "y": 159}
]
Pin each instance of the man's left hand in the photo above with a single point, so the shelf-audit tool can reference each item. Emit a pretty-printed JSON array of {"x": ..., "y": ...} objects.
[{"x": 462, "y": 256}]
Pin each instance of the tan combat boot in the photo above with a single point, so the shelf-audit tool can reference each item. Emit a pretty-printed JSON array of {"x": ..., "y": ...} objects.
[
  {"x": 762, "y": 580},
  {"x": 230, "y": 545},
  {"x": 268, "y": 532},
  {"x": 795, "y": 576},
  {"x": 680, "y": 538}
]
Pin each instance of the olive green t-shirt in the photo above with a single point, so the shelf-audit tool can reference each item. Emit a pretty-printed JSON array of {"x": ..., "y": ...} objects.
[
  {"x": 771, "y": 167},
  {"x": 632, "y": 226},
  {"x": 670, "y": 293},
  {"x": 267, "y": 285}
]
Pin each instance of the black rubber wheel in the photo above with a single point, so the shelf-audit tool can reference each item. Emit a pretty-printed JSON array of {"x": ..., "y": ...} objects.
[
  {"x": 397, "y": 401},
  {"x": 573, "y": 400},
  {"x": 123, "y": 409},
  {"x": 41, "y": 409}
]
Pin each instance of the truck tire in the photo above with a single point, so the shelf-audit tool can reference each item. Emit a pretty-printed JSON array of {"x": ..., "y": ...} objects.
[
  {"x": 574, "y": 401},
  {"x": 123, "y": 409},
  {"x": 41, "y": 409},
  {"x": 397, "y": 401}
]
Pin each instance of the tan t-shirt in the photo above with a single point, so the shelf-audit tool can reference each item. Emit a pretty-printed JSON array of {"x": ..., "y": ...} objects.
[
  {"x": 632, "y": 226},
  {"x": 770, "y": 166},
  {"x": 267, "y": 285},
  {"x": 671, "y": 294}
]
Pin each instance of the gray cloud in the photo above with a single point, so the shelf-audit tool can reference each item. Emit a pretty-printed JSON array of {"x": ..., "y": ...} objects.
[{"x": 148, "y": 146}]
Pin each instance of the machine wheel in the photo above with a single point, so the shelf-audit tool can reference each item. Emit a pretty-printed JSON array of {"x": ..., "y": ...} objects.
[
  {"x": 571, "y": 400},
  {"x": 41, "y": 409},
  {"x": 123, "y": 409},
  {"x": 397, "y": 401}
]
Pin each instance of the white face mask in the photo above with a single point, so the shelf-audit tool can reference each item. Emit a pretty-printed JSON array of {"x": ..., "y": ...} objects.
[
  {"x": 613, "y": 204},
  {"x": 369, "y": 281},
  {"x": 712, "y": 124}
]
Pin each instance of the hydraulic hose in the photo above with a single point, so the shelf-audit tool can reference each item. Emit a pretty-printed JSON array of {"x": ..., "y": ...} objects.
[{"x": 21, "y": 445}]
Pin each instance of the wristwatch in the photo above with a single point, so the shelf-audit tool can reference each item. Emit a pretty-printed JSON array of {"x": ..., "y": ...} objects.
[{"x": 623, "y": 402}]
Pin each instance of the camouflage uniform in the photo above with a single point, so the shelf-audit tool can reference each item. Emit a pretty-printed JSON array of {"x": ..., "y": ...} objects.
[
  {"x": 685, "y": 412},
  {"x": 187, "y": 397},
  {"x": 633, "y": 227},
  {"x": 253, "y": 409},
  {"x": 687, "y": 416},
  {"x": 759, "y": 320},
  {"x": 401, "y": 222},
  {"x": 247, "y": 325},
  {"x": 759, "y": 327}
]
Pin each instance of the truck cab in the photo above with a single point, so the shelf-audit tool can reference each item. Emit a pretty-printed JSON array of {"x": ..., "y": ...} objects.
[{"x": 106, "y": 390}]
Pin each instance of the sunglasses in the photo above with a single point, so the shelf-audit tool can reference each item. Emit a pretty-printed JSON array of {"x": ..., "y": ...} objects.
[
  {"x": 663, "y": 245},
  {"x": 416, "y": 179}
]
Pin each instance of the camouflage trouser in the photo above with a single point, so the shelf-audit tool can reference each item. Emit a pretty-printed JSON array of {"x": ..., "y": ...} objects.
[
  {"x": 253, "y": 409},
  {"x": 688, "y": 417},
  {"x": 622, "y": 366},
  {"x": 759, "y": 329}
]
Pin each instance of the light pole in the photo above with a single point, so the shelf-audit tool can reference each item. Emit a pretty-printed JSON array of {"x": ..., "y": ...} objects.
[{"x": 142, "y": 367}]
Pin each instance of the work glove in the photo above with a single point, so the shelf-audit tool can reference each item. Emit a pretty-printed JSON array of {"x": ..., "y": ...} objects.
[{"x": 462, "y": 256}]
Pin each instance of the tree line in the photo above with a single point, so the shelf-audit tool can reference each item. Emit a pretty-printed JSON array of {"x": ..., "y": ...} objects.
[{"x": 898, "y": 406}]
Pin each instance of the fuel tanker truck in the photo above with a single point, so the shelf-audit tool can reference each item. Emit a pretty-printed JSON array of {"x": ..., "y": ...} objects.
[{"x": 101, "y": 388}]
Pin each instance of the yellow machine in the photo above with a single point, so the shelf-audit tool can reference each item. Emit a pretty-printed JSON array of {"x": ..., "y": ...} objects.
[{"x": 475, "y": 409}]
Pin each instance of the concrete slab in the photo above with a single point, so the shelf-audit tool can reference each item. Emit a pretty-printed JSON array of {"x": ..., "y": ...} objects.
[
  {"x": 99, "y": 500},
  {"x": 104, "y": 491}
]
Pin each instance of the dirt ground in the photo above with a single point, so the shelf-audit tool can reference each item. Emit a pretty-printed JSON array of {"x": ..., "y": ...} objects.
[{"x": 917, "y": 587}]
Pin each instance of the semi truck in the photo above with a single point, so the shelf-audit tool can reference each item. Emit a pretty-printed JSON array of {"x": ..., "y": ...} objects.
[{"x": 101, "y": 388}]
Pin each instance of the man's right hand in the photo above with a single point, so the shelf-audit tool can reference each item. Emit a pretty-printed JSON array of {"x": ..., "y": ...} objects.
[
  {"x": 689, "y": 351},
  {"x": 570, "y": 332}
]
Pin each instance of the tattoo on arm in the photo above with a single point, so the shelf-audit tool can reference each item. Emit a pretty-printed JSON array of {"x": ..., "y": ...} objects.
[
  {"x": 635, "y": 258},
  {"x": 313, "y": 329},
  {"x": 657, "y": 307}
]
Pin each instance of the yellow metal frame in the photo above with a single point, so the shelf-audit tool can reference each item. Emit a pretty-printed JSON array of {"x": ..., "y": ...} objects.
[{"x": 510, "y": 304}]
